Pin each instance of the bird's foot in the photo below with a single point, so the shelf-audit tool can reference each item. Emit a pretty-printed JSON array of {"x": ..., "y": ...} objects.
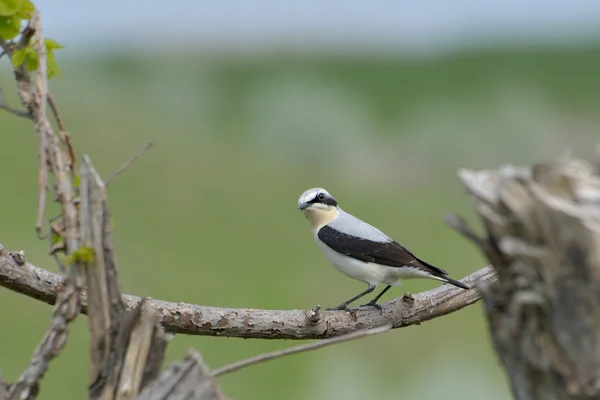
[
  {"x": 374, "y": 305},
  {"x": 343, "y": 308}
]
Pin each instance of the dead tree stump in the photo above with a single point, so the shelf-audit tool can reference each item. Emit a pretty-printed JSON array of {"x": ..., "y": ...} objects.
[{"x": 543, "y": 239}]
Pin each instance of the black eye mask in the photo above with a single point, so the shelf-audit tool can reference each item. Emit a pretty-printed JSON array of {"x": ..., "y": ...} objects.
[{"x": 328, "y": 200}]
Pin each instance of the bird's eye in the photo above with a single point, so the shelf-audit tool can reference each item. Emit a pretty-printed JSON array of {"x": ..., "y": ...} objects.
[{"x": 321, "y": 196}]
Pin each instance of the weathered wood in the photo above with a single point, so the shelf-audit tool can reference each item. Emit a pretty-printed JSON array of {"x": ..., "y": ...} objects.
[
  {"x": 104, "y": 296},
  {"x": 543, "y": 239},
  {"x": 126, "y": 350},
  {"x": 187, "y": 380},
  {"x": 3, "y": 389},
  {"x": 137, "y": 355},
  {"x": 67, "y": 308},
  {"x": 195, "y": 319}
]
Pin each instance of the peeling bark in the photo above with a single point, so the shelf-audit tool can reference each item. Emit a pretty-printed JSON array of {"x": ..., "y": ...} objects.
[{"x": 543, "y": 238}]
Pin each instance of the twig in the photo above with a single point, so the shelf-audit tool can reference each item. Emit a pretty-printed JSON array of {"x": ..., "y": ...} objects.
[
  {"x": 18, "y": 113},
  {"x": 129, "y": 162},
  {"x": 298, "y": 349},
  {"x": 190, "y": 379},
  {"x": 55, "y": 155},
  {"x": 14, "y": 111},
  {"x": 42, "y": 182},
  {"x": 67, "y": 308},
  {"x": 54, "y": 108},
  {"x": 193, "y": 319},
  {"x": 62, "y": 131},
  {"x": 459, "y": 224},
  {"x": 68, "y": 301},
  {"x": 41, "y": 84}
]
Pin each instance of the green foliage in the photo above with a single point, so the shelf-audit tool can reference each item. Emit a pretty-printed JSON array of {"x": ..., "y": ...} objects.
[
  {"x": 12, "y": 13},
  {"x": 10, "y": 26},
  {"x": 10, "y": 7},
  {"x": 29, "y": 56},
  {"x": 53, "y": 68},
  {"x": 56, "y": 238},
  {"x": 26, "y": 11},
  {"x": 82, "y": 254}
]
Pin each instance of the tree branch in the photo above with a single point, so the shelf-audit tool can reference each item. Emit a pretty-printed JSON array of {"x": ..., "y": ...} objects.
[
  {"x": 66, "y": 310},
  {"x": 34, "y": 98},
  {"x": 129, "y": 162},
  {"x": 18, "y": 113},
  {"x": 297, "y": 349},
  {"x": 193, "y": 319},
  {"x": 190, "y": 379},
  {"x": 41, "y": 119}
]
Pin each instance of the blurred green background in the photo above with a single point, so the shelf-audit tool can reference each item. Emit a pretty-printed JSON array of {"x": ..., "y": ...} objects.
[{"x": 208, "y": 216}]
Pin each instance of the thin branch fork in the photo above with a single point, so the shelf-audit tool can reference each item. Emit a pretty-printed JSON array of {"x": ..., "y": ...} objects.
[{"x": 194, "y": 319}]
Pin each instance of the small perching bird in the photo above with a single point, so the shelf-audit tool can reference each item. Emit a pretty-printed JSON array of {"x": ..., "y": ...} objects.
[{"x": 361, "y": 251}]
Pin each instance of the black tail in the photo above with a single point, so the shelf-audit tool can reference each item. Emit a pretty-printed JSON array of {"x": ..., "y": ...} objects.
[
  {"x": 440, "y": 273},
  {"x": 455, "y": 283}
]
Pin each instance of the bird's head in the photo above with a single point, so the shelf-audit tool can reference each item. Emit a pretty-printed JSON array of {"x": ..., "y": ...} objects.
[{"x": 318, "y": 206}]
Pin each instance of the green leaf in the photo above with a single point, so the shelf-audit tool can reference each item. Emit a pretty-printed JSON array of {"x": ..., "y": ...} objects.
[
  {"x": 31, "y": 58},
  {"x": 76, "y": 181},
  {"x": 10, "y": 26},
  {"x": 18, "y": 57},
  {"x": 26, "y": 11},
  {"x": 82, "y": 254},
  {"x": 56, "y": 238},
  {"x": 10, "y": 7},
  {"x": 51, "y": 44},
  {"x": 53, "y": 68}
]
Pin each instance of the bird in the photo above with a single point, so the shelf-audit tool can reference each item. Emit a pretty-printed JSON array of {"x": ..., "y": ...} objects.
[{"x": 361, "y": 251}]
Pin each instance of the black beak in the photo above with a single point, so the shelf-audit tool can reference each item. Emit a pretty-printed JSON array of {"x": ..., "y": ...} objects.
[{"x": 303, "y": 206}]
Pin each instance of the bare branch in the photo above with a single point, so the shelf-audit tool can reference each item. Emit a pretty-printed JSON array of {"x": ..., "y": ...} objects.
[
  {"x": 64, "y": 135},
  {"x": 190, "y": 379},
  {"x": 271, "y": 324},
  {"x": 459, "y": 224},
  {"x": 41, "y": 94},
  {"x": 103, "y": 290},
  {"x": 298, "y": 349},
  {"x": 129, "y": 162},
  {"x": 56, "y": 112},
  {"x": 14, "y": 111},
  {"x": 42, "y": 181},
  {"x": 3, "y": 389},
  {"x": 137, "y": 354},
  {"x": 68, "y": 298},
  {"x": 18, "y": 113},
  {"x": 66, "y": 309}
]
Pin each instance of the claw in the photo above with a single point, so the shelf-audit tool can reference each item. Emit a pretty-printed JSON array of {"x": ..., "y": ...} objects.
[
  {"x": 348, "y": 310},
  {"x": 374, "y": 305}
]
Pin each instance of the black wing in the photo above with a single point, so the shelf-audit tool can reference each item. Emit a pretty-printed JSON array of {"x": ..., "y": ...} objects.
[{"x": 392, "y": 254}]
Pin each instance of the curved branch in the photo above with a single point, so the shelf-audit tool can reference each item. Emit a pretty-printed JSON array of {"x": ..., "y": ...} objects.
[
  {"x": 256, "y": 323},
  {"x": 297, "y": 349}
]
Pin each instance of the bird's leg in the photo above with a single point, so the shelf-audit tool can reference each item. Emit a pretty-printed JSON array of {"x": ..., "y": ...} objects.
[
  {"x": 344, "y": 305},
  {"x": 373, "y": 303}
]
